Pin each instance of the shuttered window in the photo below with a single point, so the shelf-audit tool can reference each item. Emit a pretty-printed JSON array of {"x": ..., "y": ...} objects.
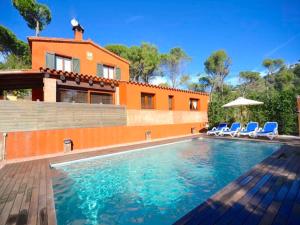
[
  {"x": 118, "y": 73},
  {"x": 170, "y": 102},
  {"x": 99, "y": 70},
  {"x": 76, "y": 65},
  {"x": 50, "y": 60},
  {"x": 147, "y": 101}
]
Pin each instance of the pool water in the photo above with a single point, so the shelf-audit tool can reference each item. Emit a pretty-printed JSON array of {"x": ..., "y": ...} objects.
[{"x": 151, "y": 186}]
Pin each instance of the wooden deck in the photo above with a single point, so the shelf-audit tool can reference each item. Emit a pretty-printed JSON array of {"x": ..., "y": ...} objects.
[{"x": 268, "y": 194}]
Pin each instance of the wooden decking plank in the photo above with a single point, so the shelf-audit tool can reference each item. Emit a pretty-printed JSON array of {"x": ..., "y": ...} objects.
[
  {"x": 9, "y": 183},
  {"x": 33, "y": 208},
  {"x": 12, "y": 192},
  {"x": 256, "y": 215},
  {"x": 19, "y": 197},
  {"x": 252, "y": 204},
  {"x": 3, "y": 173},
  {"x": 42, "y": 198},
  {"x": 24, "y": 209},
  {"x": 273, "y": 208},
  {"x": 233, "y": 205},
  {"x": 50, "y": 198},
  {"x": 8, "y": 177},
  {"x": 287, "y": 204},
  {"x": 212, "y": 205}
]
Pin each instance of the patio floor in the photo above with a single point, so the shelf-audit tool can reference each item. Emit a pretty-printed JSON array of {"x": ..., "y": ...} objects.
[{"x": 267, "y": 194}]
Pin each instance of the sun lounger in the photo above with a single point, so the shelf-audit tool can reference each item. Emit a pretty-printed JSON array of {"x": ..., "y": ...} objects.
[
  {"x": 233, "y": 131},
  {"x": 218, "y": 129},
  {"x": 270, "y": 130},
  {"x": 250, "y": 130}
]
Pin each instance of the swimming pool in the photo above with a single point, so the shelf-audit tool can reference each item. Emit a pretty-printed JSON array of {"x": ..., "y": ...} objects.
[{"x": 151, "y": 186}]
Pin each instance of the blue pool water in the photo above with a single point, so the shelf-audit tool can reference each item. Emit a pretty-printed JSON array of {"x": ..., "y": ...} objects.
[{"x": 151, "y": 186}]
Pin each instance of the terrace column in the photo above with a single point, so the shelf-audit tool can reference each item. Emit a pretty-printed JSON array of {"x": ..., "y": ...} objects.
[
  {"x": 1, "y": 95},
  {"x": 49, "y": 89},
  {"x": 117, "y": 96}
]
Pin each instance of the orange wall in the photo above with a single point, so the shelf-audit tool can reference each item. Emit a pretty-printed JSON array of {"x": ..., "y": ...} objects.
[
  {"x": 36, "y": 143},
  {"x": 130, "y": 95},
  {"x": 77, "y": 49}
]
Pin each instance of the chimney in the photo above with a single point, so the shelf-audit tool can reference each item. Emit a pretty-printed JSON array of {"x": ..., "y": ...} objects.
[{"x": 78, "y": 30}]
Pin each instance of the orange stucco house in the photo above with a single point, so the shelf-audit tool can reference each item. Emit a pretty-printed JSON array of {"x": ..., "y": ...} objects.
[{"x": 79, "y": 73}]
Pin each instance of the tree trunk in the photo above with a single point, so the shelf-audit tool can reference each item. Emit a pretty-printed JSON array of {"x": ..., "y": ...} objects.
[{"x": 37, "y": 28}]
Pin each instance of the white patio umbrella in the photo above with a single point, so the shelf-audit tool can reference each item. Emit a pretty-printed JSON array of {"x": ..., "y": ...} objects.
[{"x": 240, "y": 102}]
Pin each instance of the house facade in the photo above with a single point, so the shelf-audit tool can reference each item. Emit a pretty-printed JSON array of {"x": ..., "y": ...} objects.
[{"x": 77, "y": 74}]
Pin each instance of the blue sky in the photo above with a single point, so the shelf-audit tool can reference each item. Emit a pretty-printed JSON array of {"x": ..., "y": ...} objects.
[{"x": 249, "y": 31}]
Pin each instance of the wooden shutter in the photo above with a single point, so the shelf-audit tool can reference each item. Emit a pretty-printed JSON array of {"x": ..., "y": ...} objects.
[
  {"x": 99, "y": 70},
  {"x": 50, "y": 60},
  {"x": 118, "y": 73},
  {"x": 75, "y": 65}
]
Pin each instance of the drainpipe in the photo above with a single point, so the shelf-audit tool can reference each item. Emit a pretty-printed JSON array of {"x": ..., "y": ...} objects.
[{"x": 3, "y": 156}]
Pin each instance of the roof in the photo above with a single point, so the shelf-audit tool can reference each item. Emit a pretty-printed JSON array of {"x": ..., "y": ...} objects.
[
  {"x": 66, "y": 40},
  {"x": 165, "y": 88},
  {"x": 82, "y": 77}
]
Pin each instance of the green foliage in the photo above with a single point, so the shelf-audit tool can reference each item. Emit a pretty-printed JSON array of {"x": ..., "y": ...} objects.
[
  {"x": 217, "y": 68},
  {"x": 35, "y": 14},
  {"x": 273, "y": 64},
  {"x": 173, "y": 62},
  {"x": 14, "y": 62},
  {"x": 144, "y": 60},
  {"x": 9, "y": 43},
  {"x": 279, "y": 100}
]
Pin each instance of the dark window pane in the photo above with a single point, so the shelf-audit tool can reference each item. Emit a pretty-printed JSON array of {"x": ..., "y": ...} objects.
[
  {"x": 147, "y": 101},
  {"x": 70, "y": 95},
  {"x": 101, "y": 98},
  {"x": 170, "y": 102}
]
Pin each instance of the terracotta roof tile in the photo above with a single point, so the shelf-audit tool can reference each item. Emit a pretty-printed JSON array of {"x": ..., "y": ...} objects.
[
  {"x": 166, "y": 88},
  {"x": 73, "y": 75}
]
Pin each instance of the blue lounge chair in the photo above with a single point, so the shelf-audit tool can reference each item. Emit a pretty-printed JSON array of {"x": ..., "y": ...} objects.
[
  {"x": 218, "y": 129},
  {"x": 270, "y": 130},
  {"x": 250, "y": 130},
  {"x": 233, "y": 131}
]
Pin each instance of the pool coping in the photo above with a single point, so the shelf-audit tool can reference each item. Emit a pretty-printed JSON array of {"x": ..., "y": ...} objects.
[{"x": 16, "y": 174}]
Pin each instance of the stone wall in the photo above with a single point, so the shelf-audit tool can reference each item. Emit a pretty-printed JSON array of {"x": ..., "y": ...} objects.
[
  {"x": 159, "y": 117},
  {"x": 28, "y": 115}
]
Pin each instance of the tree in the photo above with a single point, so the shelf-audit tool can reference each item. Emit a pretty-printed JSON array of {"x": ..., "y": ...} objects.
[
  {"x": 173, "y": 63},
  {"x": 14, "y": 62},
  {"x": 249, "y": 80},
  {"x": 120, "y": 50},
  {"x": 14, "y": 51},
  {"x": 144, "y": 60},
  {"x": 272, "y": 65},
  {"x": 35, "y": 14},
  {"x": 9, "y": 43},
  {"x": 217, "y": 67}
]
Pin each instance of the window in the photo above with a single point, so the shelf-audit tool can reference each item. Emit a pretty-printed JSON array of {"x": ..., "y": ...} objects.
[
  {"x": 71, "y": 95},
  {"x": 170, "y": 102},
  {"x": 64, "y": 64},
  {"x": 105, "y": 71},
  {"x": 108, "y": 72},
  {"x": 193, "y": 104},
  {"x": 101, "y": 98},
  {"x": 147, "y": 101}
]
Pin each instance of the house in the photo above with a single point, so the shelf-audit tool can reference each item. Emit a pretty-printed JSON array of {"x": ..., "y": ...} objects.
[{"x": 82, "y": 91}]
